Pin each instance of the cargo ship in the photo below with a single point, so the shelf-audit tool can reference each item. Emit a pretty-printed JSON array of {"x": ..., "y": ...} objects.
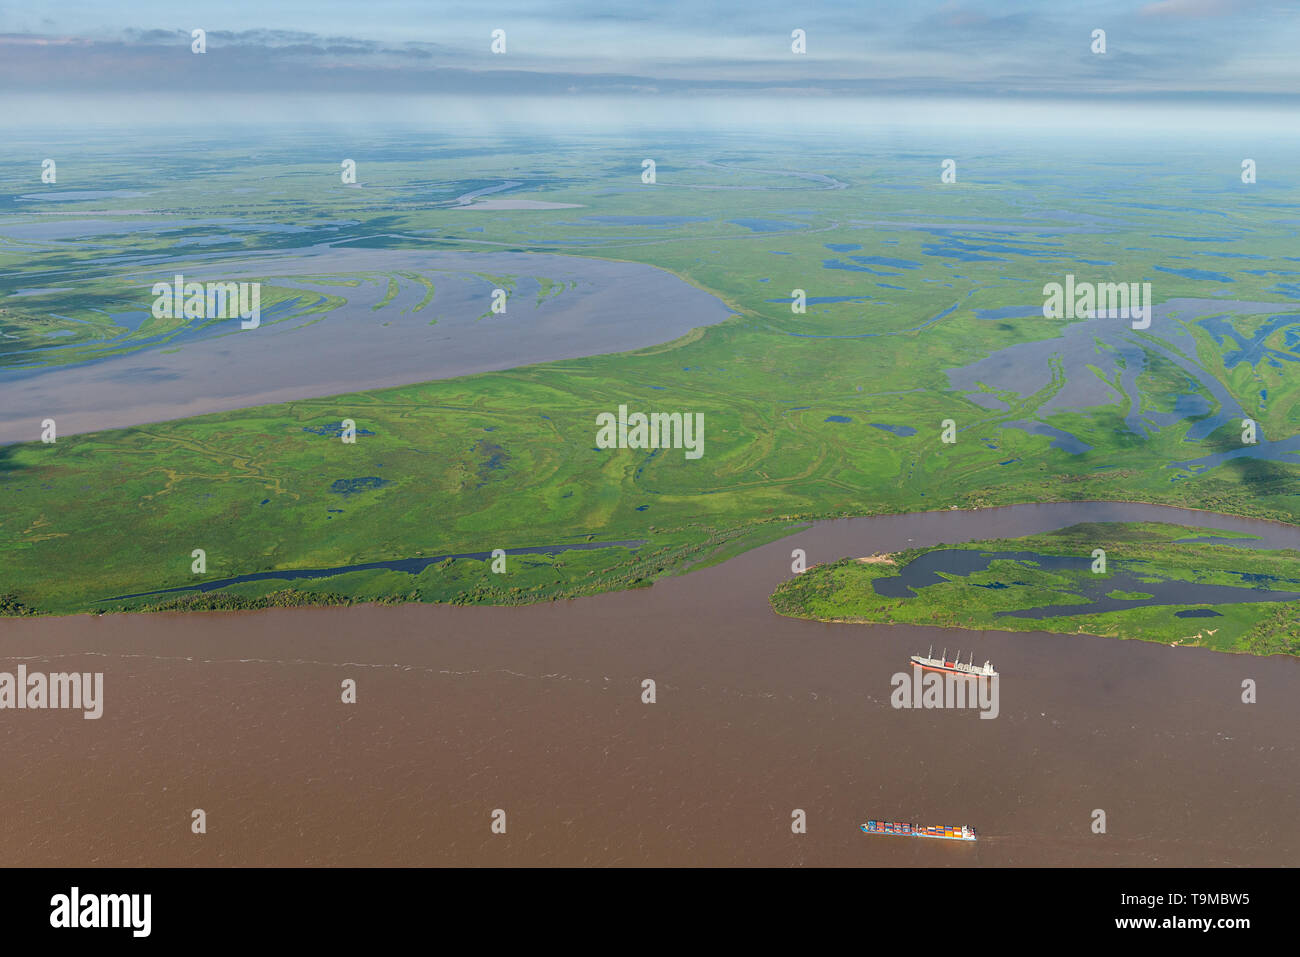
[
  {"x": 899, "y": 829},
  {"x": 957, "y": 667}
]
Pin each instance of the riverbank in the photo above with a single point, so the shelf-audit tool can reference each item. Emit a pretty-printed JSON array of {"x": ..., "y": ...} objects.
[{"x": 755, "y": 715}]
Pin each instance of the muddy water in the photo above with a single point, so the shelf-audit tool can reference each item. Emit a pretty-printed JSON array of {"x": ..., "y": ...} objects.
[
  {"x": 537, "y": 711},
  {"x": 611, "y": 307}
]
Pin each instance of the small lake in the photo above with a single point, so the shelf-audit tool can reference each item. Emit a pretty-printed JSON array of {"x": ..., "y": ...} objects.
[{"x": 930, "y": 568}]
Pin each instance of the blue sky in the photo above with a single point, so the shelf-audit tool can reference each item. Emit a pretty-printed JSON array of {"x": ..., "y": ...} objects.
[
  {"x": 1195, "y": 65},
  {"x": 986, "y": 48}
]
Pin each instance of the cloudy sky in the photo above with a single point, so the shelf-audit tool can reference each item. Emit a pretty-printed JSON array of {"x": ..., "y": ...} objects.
[{"x": 1240, "y": 52}]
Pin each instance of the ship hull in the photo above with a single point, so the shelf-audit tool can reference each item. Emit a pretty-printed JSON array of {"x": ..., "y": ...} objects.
[{"x": 949, "y": 668}]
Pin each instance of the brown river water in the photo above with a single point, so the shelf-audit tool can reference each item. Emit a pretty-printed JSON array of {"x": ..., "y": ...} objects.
[{"x": 537, "y": 711}]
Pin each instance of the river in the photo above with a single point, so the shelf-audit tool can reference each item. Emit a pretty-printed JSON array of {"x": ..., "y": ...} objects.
[
  {"x": 594, "y": 307},
  {"x": 537, "y": 711}
]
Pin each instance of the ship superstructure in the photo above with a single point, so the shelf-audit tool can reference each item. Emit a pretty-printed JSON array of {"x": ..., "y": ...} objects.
[{"x": 956, "y": 666}]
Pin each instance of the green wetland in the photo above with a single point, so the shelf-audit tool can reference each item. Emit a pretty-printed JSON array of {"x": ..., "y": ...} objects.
[
  {"x": 823, "y": 442},
  {"x": 924, "y": 307},
  {"x": 1170, "y": 583}
]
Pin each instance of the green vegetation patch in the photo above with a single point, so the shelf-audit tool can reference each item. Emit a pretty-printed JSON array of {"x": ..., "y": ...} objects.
[{"x": 986, "y": 598}]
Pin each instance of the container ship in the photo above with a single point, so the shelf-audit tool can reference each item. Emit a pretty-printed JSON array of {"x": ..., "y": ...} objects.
[
  {"x": 957, "y": 667},
  {"x": 899, "y": 829}
]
